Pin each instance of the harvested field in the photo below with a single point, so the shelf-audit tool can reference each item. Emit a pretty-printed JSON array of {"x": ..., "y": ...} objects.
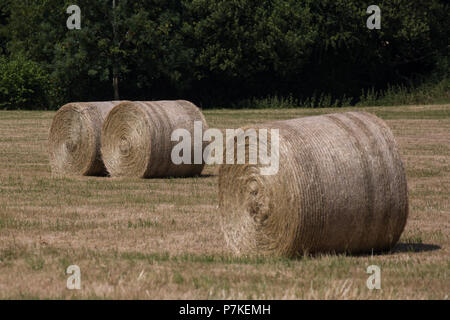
[{"x": 160, "y": 238}]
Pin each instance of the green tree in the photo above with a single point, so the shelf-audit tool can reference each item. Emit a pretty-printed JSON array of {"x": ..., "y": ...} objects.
[
  {"x": 132, "y": 45},
  {"x": 4, "y": 14},
  {"x": 24, "y": 84},
  {"x": 349, "y": 57},
  {"x": 218, "y": 53},
  {"x": 243, "y": 47}
]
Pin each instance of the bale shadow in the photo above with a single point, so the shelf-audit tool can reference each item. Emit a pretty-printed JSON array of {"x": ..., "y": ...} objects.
[
  {"x": 202, "y": 176},
  {"x": 199, "y": 176},
  {"x": 402, "y": 247}
]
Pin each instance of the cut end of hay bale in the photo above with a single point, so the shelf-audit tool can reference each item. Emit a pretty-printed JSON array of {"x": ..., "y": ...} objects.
[
  {"x": 74, "y": 138},
  {"x": 341, "y": 187},
  {"x": 136, "y": 138},
  {"x": 126, "y": 141}
]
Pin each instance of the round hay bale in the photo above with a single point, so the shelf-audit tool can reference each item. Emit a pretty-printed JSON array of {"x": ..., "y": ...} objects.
[
  {"x": 74, "y": 138},
  {"x": 341, "y": 187},
  {"x": 136, "y": 139}
]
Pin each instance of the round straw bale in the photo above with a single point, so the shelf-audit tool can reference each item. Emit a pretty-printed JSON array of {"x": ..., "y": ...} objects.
[
  {"x": 74, "y": 138},
  {"x": 341, "y": 187},
  {"x": 136, "y": 139}
]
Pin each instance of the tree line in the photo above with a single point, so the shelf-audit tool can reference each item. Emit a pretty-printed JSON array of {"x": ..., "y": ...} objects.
[{"x": 217, "y": 53}]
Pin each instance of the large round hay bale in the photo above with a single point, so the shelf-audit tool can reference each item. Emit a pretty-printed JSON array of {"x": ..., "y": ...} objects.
[
  {"x": 136, "y": 139},
  {"x": 74, "y": 138},
  {"x": 341, "y": 187}
]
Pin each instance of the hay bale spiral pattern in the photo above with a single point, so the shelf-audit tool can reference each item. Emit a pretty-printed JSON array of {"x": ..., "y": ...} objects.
[
  {"x": 341, "y": 187},
  {"x": 136, "y": 138},
  {"x": 74, "y": 138}
]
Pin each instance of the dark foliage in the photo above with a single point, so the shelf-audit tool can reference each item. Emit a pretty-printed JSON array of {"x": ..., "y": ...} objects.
[{"x": 219, "y": 53}]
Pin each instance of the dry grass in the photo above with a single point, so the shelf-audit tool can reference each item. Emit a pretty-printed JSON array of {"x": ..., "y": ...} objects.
[{"x": 159, "y": 239}]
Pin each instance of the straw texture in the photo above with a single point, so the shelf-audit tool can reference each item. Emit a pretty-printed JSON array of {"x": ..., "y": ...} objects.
[
  {"x": 74, "y": 138},
  {"x": 341, "y": 187},
  {"x": 136, "y": 138}
]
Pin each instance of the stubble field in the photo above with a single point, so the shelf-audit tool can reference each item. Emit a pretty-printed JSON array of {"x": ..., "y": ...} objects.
[{"x": 161, "y": 238}]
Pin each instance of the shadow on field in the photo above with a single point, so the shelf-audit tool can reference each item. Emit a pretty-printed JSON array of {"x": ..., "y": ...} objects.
[
  {"x": 414, "y": 247},
  {"x": 402, "y": 247},
  {"x": 202, "y": 176}
]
